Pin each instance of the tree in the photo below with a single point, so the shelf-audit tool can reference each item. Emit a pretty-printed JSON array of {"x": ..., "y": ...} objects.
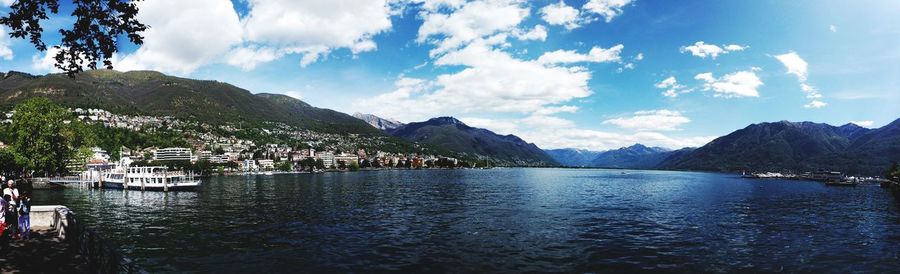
[
  {"x": 284, "y": 166},
  {"x": 354, "y": 166},
  {"x": 94, "y": 36},
  {"x": 893, "y": 173},
  {"x": 320, "y": 164},
  {"x": 11, "y": 163},
  {"x": 46, "y": 136}
]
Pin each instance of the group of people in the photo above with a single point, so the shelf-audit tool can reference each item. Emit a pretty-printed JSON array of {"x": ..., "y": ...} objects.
[{"x": 14, "y": 216}]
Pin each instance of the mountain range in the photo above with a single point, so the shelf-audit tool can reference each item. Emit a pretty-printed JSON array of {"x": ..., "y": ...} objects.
[
  {"x": 797, "y": 146},
  {"x": 454, "y": 135},
  {"x": 637, "y": 156},
  {"x": 154, "y": 93},
  {"x": 378, "y": 122}
]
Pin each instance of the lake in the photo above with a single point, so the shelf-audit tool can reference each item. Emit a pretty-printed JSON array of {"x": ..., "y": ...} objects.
[{"x": 498, "y": 220}]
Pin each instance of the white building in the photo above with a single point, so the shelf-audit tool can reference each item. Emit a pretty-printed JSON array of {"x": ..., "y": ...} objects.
[
  {"x": 266, "y": 164},
  {"x": 173, "y": 154},
  {"x": 249, "y": 165},
  {"x": 327, "y": 158},
  {"x": 347, "y": 159}
]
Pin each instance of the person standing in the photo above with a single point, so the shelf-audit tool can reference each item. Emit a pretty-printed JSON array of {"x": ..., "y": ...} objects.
[
  {"x": 24, "y": 217},
  {"x": 12, "y": 218}
]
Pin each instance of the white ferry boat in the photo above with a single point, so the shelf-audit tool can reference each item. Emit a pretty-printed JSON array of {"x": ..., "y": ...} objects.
[{"x": 149, "y": 178}]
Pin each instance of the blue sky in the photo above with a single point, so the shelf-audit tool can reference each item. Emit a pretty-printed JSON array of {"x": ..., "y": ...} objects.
[{"x": 594, "y": 74}]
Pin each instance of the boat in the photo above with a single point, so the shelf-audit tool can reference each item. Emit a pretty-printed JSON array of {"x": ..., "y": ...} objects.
[
  {"x": 157, "y": 178},
  {"x": 853, "y": 182}
]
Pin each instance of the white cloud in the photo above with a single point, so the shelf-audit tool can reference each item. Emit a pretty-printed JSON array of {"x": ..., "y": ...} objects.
[
  {"x": 7, "y": 3},
  {"x": 561, "y": 14},
  {"x": 672, "y": 87},
  {"x": 247, "y": 58},
  {"x": 832, "y": 28},
  {"x": 702, "y": 50},
  {"x": 497, "y": 126},
  {"x": 596, "y": 55},
  {"x": 651, "y": 120},
  {"x": 798, "y": 67},
  {"x": 640, "y": 56},
  {"x": 737, "y": 84},
  {"x": 815, "y": 104},
  {"x": 471, "y": 21},
  {"x": 315, "y": 28},
  {"x": 794, "y": 64},
  {"x": 608, "y": 9},
  {"x": 551, "y": 132},
  {"x": 183, "y": 36},
  {"x": 186, "y": 35},
  {"x": 5, "y": 52},
  {"x": 45, "y": 62},
  {"x": 556, "y": 109},
  {"x": 865, "y": 123},
  {"x": 539, "y": 33}
]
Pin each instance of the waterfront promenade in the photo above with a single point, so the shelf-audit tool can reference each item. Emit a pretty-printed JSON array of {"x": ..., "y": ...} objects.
[{"x": 62, "y": 244}]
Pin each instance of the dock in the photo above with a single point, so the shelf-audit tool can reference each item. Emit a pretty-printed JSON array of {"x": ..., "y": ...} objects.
[{"x": 62, "y": 244}]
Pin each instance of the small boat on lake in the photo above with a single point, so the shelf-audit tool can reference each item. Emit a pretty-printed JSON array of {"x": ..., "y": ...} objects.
[
  {"x": 853, "y": 182},
  {"x": 157, "y": 178}
]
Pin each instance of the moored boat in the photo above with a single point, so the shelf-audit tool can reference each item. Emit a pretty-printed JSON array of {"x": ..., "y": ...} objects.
[{"x": 155, "y": 178}]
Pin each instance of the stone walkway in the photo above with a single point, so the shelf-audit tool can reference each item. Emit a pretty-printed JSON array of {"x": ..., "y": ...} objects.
[{"x": 44, "y": 253}]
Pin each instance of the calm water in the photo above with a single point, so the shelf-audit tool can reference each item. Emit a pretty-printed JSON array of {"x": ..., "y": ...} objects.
[{"x": 501, "y": 220}]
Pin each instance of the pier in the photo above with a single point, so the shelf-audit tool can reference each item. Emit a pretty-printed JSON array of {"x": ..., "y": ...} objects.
[{"x": 62, "y": 244}]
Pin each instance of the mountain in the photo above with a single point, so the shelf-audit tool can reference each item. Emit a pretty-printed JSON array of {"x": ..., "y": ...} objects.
[
  {"x": 797, "y": 146},
  {"x": 453, "y": 135},
  {"x": 378, "y": 122},
  {"x": 572, "y": 157},
  {"x": 154, "y": 93},
  {"x": 635, "y": 156}
]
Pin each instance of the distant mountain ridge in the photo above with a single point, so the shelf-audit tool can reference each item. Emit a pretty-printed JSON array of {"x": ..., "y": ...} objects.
[
  {"x": 378, "y": 122},
  {"x": 797, "y": 146},
  {"x": 636, "y": 156},
  {"x": 154, "y": 93},
  {"x": 454, "y": 135}
]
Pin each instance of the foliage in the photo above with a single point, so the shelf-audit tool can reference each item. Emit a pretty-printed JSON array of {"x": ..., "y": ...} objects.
[
  {"x": 11, "y": 163},
  {"x": 354, "y": 166},
  {"x": 46, "y": 136},
  {"x": 284, "y": 166},
  {"x": 893, "y": 173},
  {"x": 94, "y": 35}
]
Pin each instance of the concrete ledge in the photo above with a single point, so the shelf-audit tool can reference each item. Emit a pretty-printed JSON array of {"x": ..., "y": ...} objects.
[{"x": 44, "y": 215}]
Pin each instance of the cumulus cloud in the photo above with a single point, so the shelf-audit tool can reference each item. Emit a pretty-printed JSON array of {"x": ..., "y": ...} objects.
[
  {"x": 186, "y": 35},
  {"x": 560, "y": 14},
  {"x": 832, "y": 28},
  {"x": 471, "y": 21},
  {"x": 551, "y": 132},
  {"x": 798, "y": 67},
  {"x": 608, "y": 9},
  {"x": 315, "y": 28},
  {"x": 651, "y": 120},
  {"x": 595, "y": 55},
  {"x": 737, "y": 84},
  {"x": 5, "y": 52},
  {"x": 183, "y": 36},
  {"x": 539, "y": 33},
  {"x": 702, "y": 50}
]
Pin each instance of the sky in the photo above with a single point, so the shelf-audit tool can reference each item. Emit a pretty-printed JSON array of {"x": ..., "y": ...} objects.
[{"x": 587, "y": 74}]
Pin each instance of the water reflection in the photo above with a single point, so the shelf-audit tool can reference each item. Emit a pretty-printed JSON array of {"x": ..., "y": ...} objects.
[{"x": 498, "y": 220}]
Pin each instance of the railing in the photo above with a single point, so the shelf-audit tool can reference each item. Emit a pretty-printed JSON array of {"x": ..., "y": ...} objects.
[{"x": 100, "y": 255}]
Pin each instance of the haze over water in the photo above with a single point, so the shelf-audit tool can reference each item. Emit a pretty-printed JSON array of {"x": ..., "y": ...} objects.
[{"x": 508, "y": 220}]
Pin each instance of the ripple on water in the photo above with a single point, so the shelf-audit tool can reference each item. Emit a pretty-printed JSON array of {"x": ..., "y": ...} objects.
[{"x": 500, "y": 220}]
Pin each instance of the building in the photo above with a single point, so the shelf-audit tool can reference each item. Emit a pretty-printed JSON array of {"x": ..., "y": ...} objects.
[
  {"x": 173, "y": 154},
  {"x": 327, "y": 158},
  {"x": 346, "y": 159},
  {"x": 249, "y": 165},
  {"x": 266, "y": 164}
]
